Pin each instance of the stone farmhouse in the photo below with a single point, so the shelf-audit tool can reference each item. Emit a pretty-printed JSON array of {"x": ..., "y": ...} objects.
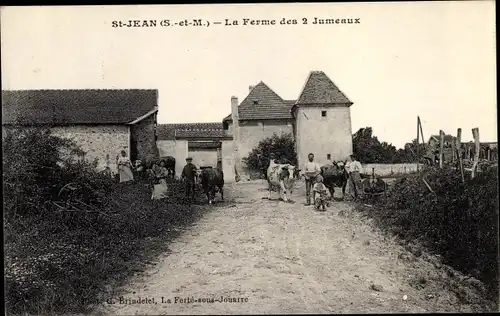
[
  {"x": 100, "y": 121},
  {"x": 319, "y": 120}
]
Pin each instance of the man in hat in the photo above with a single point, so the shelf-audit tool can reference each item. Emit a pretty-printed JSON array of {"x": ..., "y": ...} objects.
[{"x": 189, "y": 176}]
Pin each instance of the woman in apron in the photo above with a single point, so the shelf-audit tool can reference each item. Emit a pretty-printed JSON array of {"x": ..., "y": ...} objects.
[{"x": 124, "y": 167}]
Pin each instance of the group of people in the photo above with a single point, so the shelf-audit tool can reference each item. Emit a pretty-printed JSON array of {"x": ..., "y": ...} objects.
[
  {"x": 314, "y": 180},
  {"x": 157, "y": 172}
]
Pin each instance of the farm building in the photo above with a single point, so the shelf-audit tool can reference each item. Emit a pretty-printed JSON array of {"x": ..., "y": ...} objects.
[
  {"x": 319, "y": 120},
  {"x": 203, "y": 142},
  {"x": 102, "y": 122}
]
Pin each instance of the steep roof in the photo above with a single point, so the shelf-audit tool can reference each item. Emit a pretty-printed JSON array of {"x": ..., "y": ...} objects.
[
  {"x": 319, "y": 90},
  {"x": 262, "y": 103},
  {"x": 60, "y": 107},
  {"x": 190, "y": 130}
]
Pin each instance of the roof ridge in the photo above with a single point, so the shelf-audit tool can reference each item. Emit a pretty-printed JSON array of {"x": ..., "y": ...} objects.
[
  {"x": 195, "y": 123},
  {"x": 303, "y": 87}
]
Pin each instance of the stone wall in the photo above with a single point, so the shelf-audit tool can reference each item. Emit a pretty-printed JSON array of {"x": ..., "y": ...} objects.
[
  {"x": 98, "y": 140},
  {"x": 322, "y": 135},
  {"x": 144, "y": 138}
]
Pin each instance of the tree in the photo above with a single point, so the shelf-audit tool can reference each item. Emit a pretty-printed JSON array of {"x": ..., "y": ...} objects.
[
  {"x": 283, "y": 146},
  {"x": 368, "y": 149}
]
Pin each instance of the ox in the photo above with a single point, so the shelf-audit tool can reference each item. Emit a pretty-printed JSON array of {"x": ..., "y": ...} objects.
[
  {"x": 212, "y": 180},
  {"x": 170, "y": 165},
  {"x": 335, "y": 175},
  {"x": 281, "y": 177}
]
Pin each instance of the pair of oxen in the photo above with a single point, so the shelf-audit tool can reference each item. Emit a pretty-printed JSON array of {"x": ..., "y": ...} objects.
[{"x": 282, "y": 178}]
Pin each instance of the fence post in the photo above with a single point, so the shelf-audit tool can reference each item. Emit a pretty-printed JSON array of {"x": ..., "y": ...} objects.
[
  {"x": 475, "y": 134},
  {"x": 459, "y": 153},
  {"x": 453, "y": 151},
  {"x": 441, "y": 145},
  {"x": 418, "y": 142}
]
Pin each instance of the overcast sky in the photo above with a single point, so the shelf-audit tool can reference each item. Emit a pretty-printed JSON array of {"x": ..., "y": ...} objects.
[{"x": 436, "y": 60}]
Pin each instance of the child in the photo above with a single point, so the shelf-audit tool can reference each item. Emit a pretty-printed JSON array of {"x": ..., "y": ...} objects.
[
  {"x": 160, "y": 188},
  {"x": 320, "y": 193}
]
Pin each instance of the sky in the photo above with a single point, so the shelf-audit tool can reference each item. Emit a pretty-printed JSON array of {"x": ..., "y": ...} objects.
[{"x": 435, "y": 60}]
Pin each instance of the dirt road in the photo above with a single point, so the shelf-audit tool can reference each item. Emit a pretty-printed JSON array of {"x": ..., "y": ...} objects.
[{"x": 275, "y": 257}]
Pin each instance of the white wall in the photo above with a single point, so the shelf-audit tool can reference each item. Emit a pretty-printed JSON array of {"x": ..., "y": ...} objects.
[
  {"x": 323, "y": 135},
  {"x": 166, "y": 147},
  {"x": 204, "y": 157},
  {"x": 388, "y": 169},
  {"x": 181, "y": 153},
  {"x": 252, "y": 132},
  {"x": 227, "y": 160}
]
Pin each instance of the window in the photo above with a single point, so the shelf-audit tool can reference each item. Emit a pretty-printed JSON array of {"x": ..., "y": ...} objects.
[
  {"x": 323, "y": 113},
  {"x": 255, "y": 102},
  {"x": 328, "y": 156}
]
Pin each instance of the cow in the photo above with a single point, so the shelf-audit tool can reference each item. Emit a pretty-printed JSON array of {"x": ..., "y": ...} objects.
[
  {"x": 170, "y": 165},
  {"x": 281, "y": 177},
  {"x": 335, "y": 175},
  {"x": 212, "y": 180}
]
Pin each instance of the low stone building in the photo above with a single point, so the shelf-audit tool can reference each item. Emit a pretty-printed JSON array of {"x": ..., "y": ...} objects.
[{"x": 101, "y": 122}]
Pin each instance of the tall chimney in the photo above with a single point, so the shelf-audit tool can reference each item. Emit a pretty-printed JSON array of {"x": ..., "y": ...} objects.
[
  {"x": 235, "y": 117},
  {"x": 250, "y": 88},
  {"x": 236, "y": 136}
]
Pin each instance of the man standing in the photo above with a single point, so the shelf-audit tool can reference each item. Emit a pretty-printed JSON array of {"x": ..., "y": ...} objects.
[
  {"x": 311, "y": 171},
  {"x": 353, "y": 167},
  {"x": 189, "y": 176}
]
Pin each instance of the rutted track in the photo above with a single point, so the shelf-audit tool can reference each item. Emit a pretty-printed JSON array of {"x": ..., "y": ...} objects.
[{"x": 285, "y": 258}]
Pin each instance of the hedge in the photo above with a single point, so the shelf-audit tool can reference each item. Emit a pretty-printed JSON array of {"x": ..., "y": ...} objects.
[
  {"x": 62, "y": 251},
  {"x": 458, "y": 220}
]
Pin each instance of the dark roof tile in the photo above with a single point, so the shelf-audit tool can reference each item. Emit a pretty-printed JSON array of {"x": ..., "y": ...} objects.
[
  {"x": 262, "y": 103},
  {"x": 59, "y": 107},
  {"x": 320, "y": 90},
  {"x": 190, "y": 130}
]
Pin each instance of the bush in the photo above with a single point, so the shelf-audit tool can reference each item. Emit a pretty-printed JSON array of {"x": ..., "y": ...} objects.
[
  {"x": 459, "y": 220},
  {"x": 61, "y": 250},
  {"x": 282, "y": 146}
]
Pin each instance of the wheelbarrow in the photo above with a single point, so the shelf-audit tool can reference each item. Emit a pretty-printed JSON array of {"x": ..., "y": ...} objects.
[{"x": 374, "y": 186}]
